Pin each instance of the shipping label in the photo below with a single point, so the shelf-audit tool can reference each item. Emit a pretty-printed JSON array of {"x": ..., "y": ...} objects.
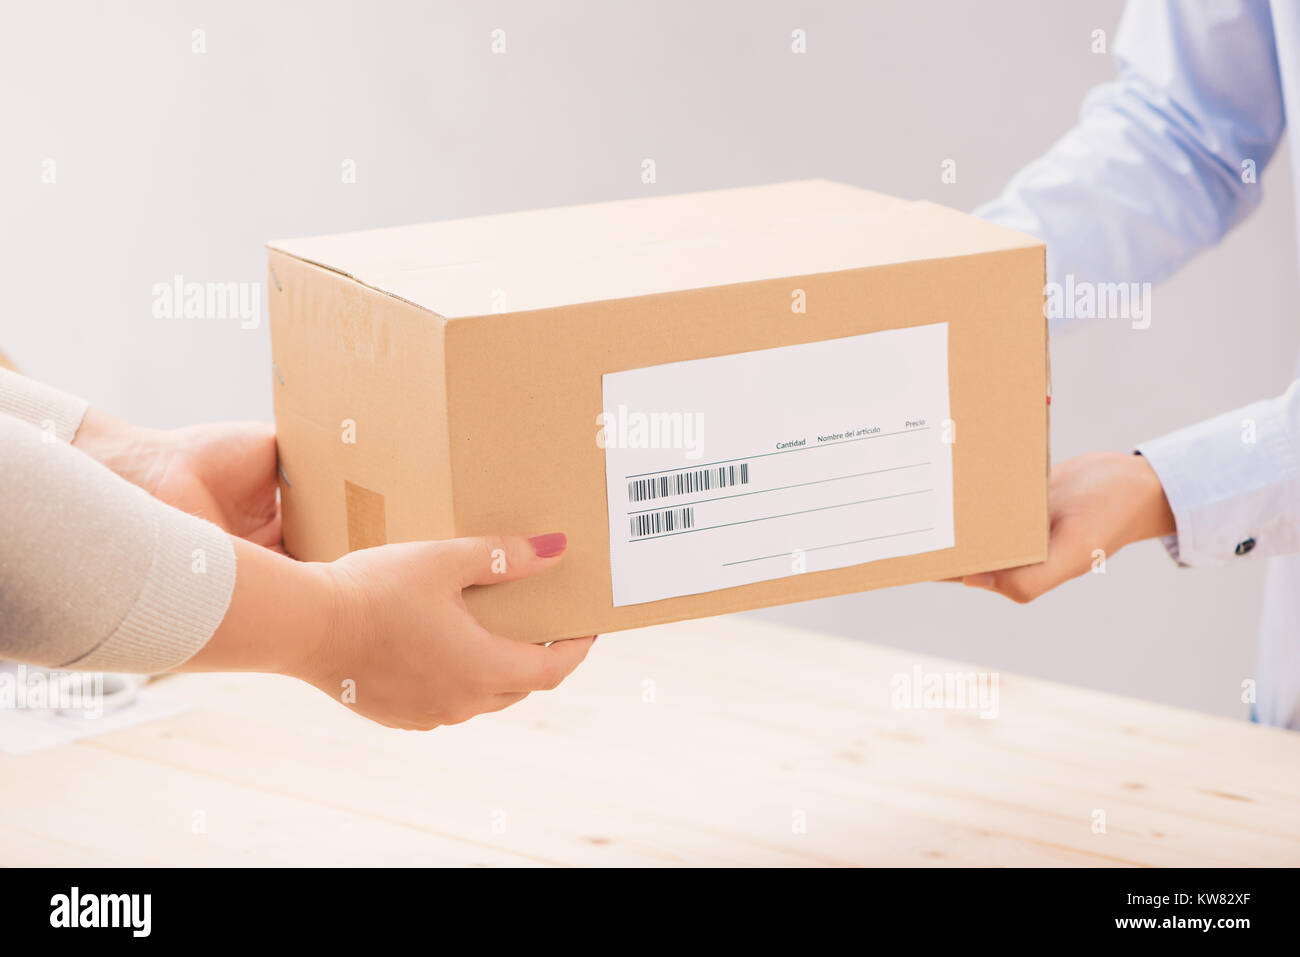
[{"x": 761, "y": 465}]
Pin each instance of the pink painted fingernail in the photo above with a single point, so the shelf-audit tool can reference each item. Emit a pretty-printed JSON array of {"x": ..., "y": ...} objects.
[{"x": 550, "y": 545}]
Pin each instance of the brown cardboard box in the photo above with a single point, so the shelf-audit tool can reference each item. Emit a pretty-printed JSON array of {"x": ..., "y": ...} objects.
[{"x": 445, "y": 380}]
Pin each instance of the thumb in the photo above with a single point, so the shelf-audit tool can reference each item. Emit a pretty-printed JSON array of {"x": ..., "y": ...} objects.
[{"x": 501, "y": 558}]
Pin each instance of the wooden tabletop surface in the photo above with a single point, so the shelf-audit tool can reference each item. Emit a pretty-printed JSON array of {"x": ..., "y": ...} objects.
[{"x": 718, "y": 742}]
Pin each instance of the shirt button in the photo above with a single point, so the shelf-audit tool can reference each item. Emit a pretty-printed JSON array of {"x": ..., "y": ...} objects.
[{"x": 1244, "y": 547}]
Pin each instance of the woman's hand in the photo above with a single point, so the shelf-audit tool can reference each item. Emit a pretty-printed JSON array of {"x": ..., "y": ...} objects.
[
  {"x": 385, "y": 632},
  {"x": 1099, "y": 502},
  {"x": 416, "y": 656},
  {"x": 224, "y": 472}
]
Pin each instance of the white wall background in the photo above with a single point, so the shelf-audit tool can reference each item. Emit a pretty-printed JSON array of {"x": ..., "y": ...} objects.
[{"x": 172, "y": 162}]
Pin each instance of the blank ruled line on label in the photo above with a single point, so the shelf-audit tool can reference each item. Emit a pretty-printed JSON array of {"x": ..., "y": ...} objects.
[
  {"x": 786, "y": 488},
  {"x": 818, "y": 548},
  {"x": 764, "y": 518}
]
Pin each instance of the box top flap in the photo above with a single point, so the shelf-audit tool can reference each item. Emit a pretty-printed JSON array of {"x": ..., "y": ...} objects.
[{"x": 513, "y": 262}]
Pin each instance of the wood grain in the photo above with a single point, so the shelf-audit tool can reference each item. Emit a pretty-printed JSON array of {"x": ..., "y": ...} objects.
[{"x": 699, "y": 743}]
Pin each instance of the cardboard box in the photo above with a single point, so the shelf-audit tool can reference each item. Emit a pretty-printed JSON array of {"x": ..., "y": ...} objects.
[{"x": 473, "y": 377}]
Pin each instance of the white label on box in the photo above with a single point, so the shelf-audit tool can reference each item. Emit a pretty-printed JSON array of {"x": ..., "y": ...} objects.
[{"x": 760, "y": 465}]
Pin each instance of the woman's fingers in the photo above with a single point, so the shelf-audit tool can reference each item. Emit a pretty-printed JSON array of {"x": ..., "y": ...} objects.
[
  {"x": 502, "y": 701},
  {"x": 1068, "y": 556},
  {"x": 397, "y": 626},
  {"x": 501, "y": 558},
  {"x": 518, "y": 668}
]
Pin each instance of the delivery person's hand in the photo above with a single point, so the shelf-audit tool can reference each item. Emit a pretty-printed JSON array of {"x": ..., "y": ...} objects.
[
  {"x": 385, "y": 631},
  {"x": 224, "y": 472},
  {"x": 1098, "y": 503}
]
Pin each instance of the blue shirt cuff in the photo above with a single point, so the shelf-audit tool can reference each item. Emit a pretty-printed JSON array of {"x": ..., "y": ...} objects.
[{"x": 1233, "y": 483}]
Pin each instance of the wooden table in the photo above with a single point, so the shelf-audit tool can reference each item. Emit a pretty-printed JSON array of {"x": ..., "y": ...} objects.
[{"x": 721, "y": 742}]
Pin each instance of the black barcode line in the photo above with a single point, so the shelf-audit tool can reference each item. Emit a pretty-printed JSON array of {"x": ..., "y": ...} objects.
[
  {"x": 786, "y": 488},
  {"x": 766, "y": 518},
  {"x": 687, "y": 482},
  {"x": 665, "y": 522}
]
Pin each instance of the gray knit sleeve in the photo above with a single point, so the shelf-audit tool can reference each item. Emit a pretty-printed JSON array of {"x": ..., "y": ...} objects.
[
  {"x": 96, "y": 574},
  {"x": 45, "y": 407}
]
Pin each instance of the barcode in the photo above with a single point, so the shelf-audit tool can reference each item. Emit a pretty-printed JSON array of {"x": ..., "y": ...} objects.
[
  {"x": 661, "y": 523},
  {"x": 687, "y": 483}
]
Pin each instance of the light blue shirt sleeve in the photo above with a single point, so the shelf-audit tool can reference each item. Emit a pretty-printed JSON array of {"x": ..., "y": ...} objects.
[
  {"x": 1164, "y": 161},
  {"x": 1233, "y": 482}
]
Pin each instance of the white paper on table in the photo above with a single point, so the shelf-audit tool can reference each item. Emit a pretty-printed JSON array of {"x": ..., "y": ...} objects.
[{"x": 26, "y": 729}]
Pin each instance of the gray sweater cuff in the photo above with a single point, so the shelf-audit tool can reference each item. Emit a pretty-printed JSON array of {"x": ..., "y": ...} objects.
[
  {"x": 183, "y": 599},
  {"x": 48, "y": 409},
  {"x": 95, "y": 574}
]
